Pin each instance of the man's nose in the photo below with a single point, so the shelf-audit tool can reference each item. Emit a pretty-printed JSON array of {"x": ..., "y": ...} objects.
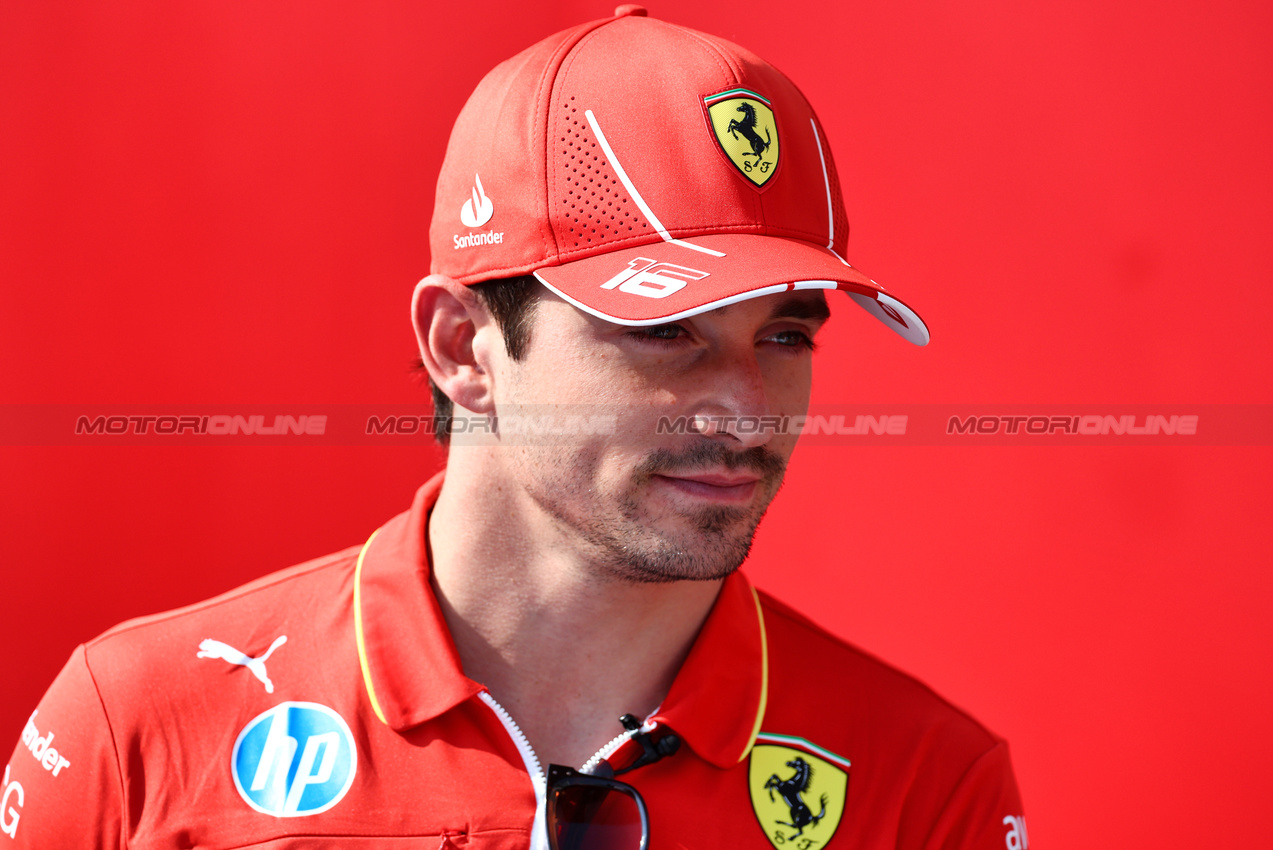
[{"x": 735, "y": 402}]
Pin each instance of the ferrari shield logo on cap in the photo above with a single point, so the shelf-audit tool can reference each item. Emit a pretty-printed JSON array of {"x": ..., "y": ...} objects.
[
  {"x": 744, "y": 125},
  {"x": 798, "y": 791}
]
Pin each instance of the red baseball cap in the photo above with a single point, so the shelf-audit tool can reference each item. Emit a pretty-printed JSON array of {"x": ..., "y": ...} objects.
[{"x": 646, "y": 172}]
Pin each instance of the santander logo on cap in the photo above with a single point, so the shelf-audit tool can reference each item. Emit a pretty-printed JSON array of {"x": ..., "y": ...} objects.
[
  {"x": 478, "y": 209},
  {"x": 475, "y": 212}
]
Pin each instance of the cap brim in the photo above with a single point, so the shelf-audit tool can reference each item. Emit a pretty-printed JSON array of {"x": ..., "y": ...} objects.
[{"x": 665, "y": 281}]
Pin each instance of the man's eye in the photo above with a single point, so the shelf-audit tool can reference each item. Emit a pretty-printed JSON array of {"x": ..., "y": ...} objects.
[
  {"x": 794, "y": 339},
  {"x": 659, "y": 333}
]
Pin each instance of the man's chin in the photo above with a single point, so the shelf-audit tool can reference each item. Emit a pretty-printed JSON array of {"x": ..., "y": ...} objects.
[
  {"x": 709, "y": 546},
  {"x": 716, "y": 523},
  {"x": 666, "y": 571}
]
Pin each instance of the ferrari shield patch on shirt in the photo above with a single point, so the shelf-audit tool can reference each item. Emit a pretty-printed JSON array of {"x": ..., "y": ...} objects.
[
  {"x": 798, "y": 791},
  {"x": 744, "y": 124}
]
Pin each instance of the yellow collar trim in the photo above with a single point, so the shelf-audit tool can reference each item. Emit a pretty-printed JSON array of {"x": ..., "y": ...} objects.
[
  {"x": 764, "y": 676},
  {"x": 362, "y": 645}
]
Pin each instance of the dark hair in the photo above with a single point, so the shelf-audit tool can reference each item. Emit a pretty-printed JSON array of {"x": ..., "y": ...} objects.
[{"x": 511, "y": 303}]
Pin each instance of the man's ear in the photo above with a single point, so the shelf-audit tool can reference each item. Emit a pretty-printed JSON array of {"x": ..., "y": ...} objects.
[{"x": 447, "y": 317}]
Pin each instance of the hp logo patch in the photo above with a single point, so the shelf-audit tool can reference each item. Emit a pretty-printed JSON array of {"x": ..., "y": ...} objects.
[{"x": 296, "y": 759}]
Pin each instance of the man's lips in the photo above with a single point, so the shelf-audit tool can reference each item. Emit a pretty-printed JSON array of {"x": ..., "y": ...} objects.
[{"x": 713, "y": 486}]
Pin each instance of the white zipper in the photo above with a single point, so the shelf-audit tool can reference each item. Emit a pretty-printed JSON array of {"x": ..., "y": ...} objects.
[
  {"x": 609, "y": 749},
  {"x": 538, "y": 779},
  {"x": 539, "y": 829}
]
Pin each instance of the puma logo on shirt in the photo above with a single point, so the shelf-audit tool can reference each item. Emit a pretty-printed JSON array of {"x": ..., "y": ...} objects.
[{"x": 210, "y": 648}]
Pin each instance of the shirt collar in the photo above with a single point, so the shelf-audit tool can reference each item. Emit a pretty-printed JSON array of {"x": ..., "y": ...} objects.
[
  {"x": 717, "y": 700},
  {"x": 412, "y": 671},
  {"x": 410, "y": 666}
]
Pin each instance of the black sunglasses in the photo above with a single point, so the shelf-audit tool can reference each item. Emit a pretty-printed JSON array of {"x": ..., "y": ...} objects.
[
  {"x": 594, "y": 813},
  {"x": 597, "y": 811}
]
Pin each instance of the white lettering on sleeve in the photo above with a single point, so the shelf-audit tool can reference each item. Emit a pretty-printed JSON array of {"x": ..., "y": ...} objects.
[
  {"x": 1017, "y": 838},
  {"x": 9, "y": 816},
  {"x": 42, "y": 748}
]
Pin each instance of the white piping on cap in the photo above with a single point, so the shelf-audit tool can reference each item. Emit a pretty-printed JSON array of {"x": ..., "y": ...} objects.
[
  {"x": 636, "y": 196},
  {"x": 662, "y": 320},
  {"x": 914, "y": 330},
  {"x": 826, "y": 182}
]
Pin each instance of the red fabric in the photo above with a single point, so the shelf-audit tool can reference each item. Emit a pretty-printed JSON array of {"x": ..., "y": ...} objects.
[
  {"x": 523, "y": 141},
  {"x": 749, "y": 262},
  {"x": 148, "y": 728}
]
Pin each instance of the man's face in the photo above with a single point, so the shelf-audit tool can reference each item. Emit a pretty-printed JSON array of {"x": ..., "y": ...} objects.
[{"x": 648, "y": 506}]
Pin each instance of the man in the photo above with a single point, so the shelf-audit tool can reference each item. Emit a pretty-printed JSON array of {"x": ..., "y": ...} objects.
[{"x": 553, "y": 647}]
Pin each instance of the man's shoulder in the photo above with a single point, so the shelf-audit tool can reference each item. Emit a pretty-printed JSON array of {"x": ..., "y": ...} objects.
[
  {"x": 259, "y": 594},
  {"x": 846, "y": 695},
  {"x": 922, "y": 770},
  {"x": 245, "y": 621}
]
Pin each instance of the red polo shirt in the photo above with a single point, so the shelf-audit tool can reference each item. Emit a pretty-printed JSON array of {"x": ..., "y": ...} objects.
[{"x": 324, "y": 706}]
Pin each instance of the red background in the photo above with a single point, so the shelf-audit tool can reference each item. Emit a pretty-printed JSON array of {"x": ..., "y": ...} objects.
[{"x": 226, "y": 203}]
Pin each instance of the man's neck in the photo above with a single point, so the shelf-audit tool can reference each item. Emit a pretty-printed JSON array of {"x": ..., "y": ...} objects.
[{"x": 565, "y": 648}]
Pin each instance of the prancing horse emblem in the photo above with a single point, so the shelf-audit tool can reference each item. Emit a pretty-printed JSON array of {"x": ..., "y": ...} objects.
[
  {"x": 798, "y": 789},
  {"x": 791, "y": 791},
  {"x": 747, "y": 132},
  {"x": 748, "y": 128}
]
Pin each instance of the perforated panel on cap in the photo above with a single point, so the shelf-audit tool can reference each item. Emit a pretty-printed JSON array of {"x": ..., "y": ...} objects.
[{"x": 593, "y": 205}]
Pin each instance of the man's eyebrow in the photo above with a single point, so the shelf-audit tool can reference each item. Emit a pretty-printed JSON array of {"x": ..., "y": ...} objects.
[{"x": 800, "y": 308}]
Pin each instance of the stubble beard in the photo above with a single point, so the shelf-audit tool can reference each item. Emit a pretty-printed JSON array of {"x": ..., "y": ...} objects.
[{"x": 627, "y": 545}]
